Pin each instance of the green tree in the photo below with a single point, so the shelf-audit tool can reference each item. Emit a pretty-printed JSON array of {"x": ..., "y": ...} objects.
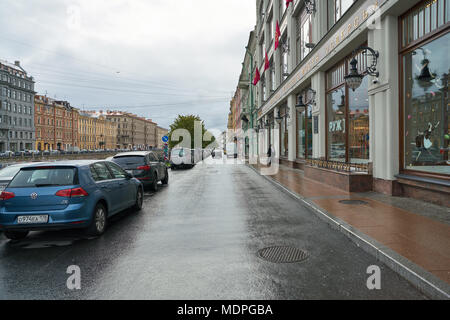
[{"x": 188, "y": 122}]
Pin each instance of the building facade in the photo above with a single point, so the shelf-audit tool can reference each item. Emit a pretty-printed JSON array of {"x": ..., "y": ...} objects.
[
  {"x": 45, "y": 123},
  {"x": 97, "y": 131},
  {"x": 86, "y": 131},
  {"x": 66, "y": 119},
  {"x": 133, "y": 132},
  {"x": 56, "y": 125},
  {"x": 387, "y": 132},
  {"x": 161, "y": 132},
  {"x": 17, "y": 129},
  {"x": 151, "y": 134}
]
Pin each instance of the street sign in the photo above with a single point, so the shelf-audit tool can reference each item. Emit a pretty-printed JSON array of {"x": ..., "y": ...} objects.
[{"x": 165, "y": 139}]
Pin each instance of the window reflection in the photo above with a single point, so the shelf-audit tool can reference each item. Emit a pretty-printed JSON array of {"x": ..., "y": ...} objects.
[
  {"x": 359, "y": 124},
  {"x": 336, "y": 125},
  {"x": 426, "y": 107}
]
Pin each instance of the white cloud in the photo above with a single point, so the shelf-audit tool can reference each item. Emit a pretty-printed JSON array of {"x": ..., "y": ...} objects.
[{"x": 196, "y": 45}]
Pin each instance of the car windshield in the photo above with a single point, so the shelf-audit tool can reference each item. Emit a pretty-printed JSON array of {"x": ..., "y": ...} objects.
[
  {"x": 129, "y": 160},
  {"x": 44, "y": 177},
  {"x": 8, "y": 172}
]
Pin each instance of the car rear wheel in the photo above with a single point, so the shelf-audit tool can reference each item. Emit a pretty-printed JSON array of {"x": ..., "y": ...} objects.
[
  {"x": 16, "y": 235},
  {"x": 166, "y": 178},
  {"x": 98, "y": 224},
  {"x": 139, "y": 200},
  {"x": 154, "y": 185}
]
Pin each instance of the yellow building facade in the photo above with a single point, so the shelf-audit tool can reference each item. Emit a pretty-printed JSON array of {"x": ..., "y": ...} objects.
[{"x": 96, "y": 131}]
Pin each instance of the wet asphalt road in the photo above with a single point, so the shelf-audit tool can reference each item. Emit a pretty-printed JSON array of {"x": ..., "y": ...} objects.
[{"x": 198, "y": 239}]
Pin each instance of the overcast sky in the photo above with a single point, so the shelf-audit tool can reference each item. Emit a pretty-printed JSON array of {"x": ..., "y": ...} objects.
[{"x": 155, "y": 58}]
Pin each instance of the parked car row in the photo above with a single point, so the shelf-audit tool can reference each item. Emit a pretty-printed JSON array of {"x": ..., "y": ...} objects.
[
  {"x": 75, "y": 194},
  {"x": 30, "y": 153}
]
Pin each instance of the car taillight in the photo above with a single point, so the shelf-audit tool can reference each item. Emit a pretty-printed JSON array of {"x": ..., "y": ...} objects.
[
  {"x": 145, "y": 168},
  {"x": 72, "y": 193},
  {"x": 6, "y": 195}
]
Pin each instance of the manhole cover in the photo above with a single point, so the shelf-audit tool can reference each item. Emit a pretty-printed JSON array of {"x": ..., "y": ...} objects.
[
  {"x": 282, "y": 254},
  {"x": 353, "y": 202}
]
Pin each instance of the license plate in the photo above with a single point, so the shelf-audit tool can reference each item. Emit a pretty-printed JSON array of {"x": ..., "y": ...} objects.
[
  {"x": 32, "y": 219},
  {"x": 130, "y": 171}
]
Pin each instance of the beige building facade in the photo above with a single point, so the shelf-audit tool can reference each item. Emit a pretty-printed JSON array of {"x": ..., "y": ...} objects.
[{"x": 387, "y": 129}]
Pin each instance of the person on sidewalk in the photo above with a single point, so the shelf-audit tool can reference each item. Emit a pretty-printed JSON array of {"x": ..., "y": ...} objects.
[{"x": 269, "y": 156}]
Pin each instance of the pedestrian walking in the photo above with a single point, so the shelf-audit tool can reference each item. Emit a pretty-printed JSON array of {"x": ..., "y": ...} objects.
[{"x": 269, "y": 155}]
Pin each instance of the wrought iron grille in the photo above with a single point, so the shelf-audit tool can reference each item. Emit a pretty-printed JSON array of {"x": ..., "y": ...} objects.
[{"x": 339, "y": 166}]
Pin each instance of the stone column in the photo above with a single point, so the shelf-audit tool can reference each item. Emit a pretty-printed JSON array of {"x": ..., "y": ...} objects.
[
  {"x": 319, "y": 109},
  {"x": 292, "y": 128},
  {"x": 384, "y": 105},
  {"x": 276, "y": 134}
]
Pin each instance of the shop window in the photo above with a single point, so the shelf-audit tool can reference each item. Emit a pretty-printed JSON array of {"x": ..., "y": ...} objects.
[
  {"x": 304, "y": 130},
  {"x": 347, "y": 115},
  {"x": 284, "y": 133},
  {"x": 358, "y": 124},
  {"x": 426, "y": 106},
  {"x": 336, "y": 113}
]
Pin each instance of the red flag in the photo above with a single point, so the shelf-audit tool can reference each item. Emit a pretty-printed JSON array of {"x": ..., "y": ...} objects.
[
  {"x": 257, "y": 77},
  {"x": 277, "y": 36},
  {"x": 288, "y": 2},
  {"x": 267, "y": 64}
]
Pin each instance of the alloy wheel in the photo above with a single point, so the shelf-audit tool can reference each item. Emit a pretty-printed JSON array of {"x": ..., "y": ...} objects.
[{"x": 100, "y": 220}]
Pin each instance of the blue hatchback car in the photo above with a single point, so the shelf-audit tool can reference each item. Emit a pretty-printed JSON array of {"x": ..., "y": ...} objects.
[{"x": 67, "y": 195}]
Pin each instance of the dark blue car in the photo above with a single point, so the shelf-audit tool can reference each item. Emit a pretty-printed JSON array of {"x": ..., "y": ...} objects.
[{"x": 67, "y": 195}]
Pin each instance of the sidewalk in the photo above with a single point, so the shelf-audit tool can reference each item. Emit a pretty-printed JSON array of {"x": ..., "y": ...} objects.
[{"x": 398, "y": 228}]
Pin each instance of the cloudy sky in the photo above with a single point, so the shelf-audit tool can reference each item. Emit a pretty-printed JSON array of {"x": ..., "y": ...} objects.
[{"x": 155, "y": 58}]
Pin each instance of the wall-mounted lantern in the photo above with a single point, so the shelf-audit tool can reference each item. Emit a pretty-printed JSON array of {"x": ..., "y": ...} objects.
[
  {"x": 301, "y": 106},
  {"x": 354, "y": 78},
  {"x": 278, "y": 118},
  {"x": 310, "y": 6}
]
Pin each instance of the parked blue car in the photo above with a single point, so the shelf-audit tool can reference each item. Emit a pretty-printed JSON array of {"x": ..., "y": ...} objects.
[{"x": 67, "y": 195}]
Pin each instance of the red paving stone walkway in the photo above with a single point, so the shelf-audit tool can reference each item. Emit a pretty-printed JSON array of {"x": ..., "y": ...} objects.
[{"x": 421, "y": 240}]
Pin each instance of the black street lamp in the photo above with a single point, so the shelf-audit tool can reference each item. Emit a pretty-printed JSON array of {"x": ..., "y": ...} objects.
[
  {"x": 279, "y": 118},
  {"x": 354, "y": 78}
]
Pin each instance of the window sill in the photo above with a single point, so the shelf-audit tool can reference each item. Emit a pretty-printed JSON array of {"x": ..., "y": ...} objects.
[{"x": 414, "y": 178}]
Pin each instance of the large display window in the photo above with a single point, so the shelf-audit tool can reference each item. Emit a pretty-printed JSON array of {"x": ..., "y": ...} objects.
[
  {"x": 304, "y": 133},
  {"x": 304, "y": 128},
  {"x": 425, "y": 105},
  {"x": 347, "y": 116}
]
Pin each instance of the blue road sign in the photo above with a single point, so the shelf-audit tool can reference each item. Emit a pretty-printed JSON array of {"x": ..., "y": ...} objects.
[{"x": 165, "y": 139}]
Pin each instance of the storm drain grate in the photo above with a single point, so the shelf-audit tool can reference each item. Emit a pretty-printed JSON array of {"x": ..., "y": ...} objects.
[
  {"x": 283, "y": 254},
  {"x": 353, "y": 202}
]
